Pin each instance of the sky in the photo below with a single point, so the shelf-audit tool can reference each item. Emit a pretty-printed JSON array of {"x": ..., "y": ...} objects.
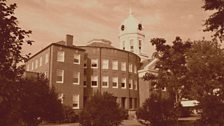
[{"x": 51, "y": 20}]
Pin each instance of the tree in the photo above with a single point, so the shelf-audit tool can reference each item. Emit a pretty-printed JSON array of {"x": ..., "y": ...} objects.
[
  {"x": 11, "y": 41},
  {"x": 158, "y": 111},
  {"x": 171, "y": 67},
  {"x": 9, "y": 102},
  {"x": 206, "y": 72},
  {"x": 30, "y": 102},
  {"x": 216, "y": 21},
  {"x": 39, "y": 102},
  {"x": 101, "y": 110}
]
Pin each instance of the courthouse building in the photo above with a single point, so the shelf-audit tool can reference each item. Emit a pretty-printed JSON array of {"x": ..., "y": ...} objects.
[{"x": 77, "y": 72}]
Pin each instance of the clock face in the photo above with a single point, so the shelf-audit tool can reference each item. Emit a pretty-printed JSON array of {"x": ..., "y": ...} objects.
[
  {"x": 122, "y": 27},
  {"x": 140, "y": 27}
]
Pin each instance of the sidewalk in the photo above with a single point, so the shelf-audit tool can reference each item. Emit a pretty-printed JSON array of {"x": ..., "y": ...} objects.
[{"x": 132, "y": 122}]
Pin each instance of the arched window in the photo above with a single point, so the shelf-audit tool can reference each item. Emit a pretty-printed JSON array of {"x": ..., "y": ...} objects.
[
  {"x": 123, "y": 45},
  {"x": 140, "y": 44},
  {"x": 131, "y": 45}
]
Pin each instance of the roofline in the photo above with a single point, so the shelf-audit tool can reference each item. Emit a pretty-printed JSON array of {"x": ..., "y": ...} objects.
[
  {"x": 131, "y": 33},
  {"x": 111, "y": 48},
  {"x": 56, "y": 44}
]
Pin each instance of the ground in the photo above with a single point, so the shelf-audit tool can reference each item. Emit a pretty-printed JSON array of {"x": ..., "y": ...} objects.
[{"x": 124, "y": 123}]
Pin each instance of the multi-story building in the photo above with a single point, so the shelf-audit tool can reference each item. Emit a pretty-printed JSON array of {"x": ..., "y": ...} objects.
[
  {"x": 77, "y": 72},
  {"x": 112, "y": 70},
  {"x": 62, "y": 63}
]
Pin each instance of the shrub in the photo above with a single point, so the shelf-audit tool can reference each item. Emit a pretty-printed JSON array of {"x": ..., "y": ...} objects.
[
  {"x": 157, "y": 111},
  {"x": 102, "y": 110}
]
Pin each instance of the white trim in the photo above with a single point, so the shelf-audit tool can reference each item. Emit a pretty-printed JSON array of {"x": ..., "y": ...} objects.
[
  {"x": 60, "y": 56},
  {"x": 41, "y": 61},
  {"x": 130, "y": 82},
  {"x": 94, "y": 78},
  {"x": 36, "y": 63},
  {"x": 115, "y": 80},
  {"x": 105, "y": 64},
  {"x": 75, "y": 100},
  {"x": 96, "y": 61},
  {"x": 106, "y": 80},
  {"x": 46, "y": 58},
  {"x": 74, "y": 57},
  {"x": 115, "y": 65},
  {"x": 78, "y": 78},
  {"x": 61, "y": 75},
  {"x": 130, "y": 68},
  {"x": 125, "y": 83}
]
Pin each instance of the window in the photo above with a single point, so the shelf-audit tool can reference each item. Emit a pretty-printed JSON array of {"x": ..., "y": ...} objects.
[
  {"x": 115, "y": 65},
  {"x": 135, "y": 69},
  {"x": 130, "y": 84},
  {"x": 123, "y": 44},
  {"x": 41, "y": 60},
  {"x": 76, "y": 59},
  {"x": 46, "y": 58},
  {"x": 85, "y": 82},
  {"x": 32, "y": 66},
  {"x": 115, "y": 82},
  {"x": 105, "y": 64},
  {"x": 85, "y": 63},
  {"x": 60, "y": 76},
  {"x": 36, "y": 64},
  {"x": 131, "y": 45},
  {"x": 94, "y": 81},
  {"x": 61, "y": 98},
  {"x": 130, "y": 67},
  {"x": 61, "y": 56},
  {"x": 27, "y": 67},
  {"x": 105, "y": 81},
  {"x": 76, "y": 76},
  {"x": 94, "y": 63},
  {"x": 136, "y": 103},
  {"x": 130, "y": 103},
  {"x": 123, "y": 83},
  {"x": 140, "y": 44},
  {"x": 135, "y": 86},
  {"x": 75, "y": 102},
  {"x": 123, "y": 66}
]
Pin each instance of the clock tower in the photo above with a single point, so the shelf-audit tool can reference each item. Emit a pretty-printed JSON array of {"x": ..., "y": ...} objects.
[{"x": 131, "y": 35}]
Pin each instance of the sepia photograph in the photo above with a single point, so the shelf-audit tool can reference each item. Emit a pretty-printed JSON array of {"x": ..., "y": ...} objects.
[{"x": 111, "y": 62}]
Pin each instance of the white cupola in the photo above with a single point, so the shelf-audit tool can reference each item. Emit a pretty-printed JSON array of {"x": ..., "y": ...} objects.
[{"x": 131, "y": 34}]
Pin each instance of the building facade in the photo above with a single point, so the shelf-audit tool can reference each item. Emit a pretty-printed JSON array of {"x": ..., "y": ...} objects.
[
  {"x": 79, "y": 72},
  {"x": 112, "y": 70},
  {"x": 62, "y": 63}
]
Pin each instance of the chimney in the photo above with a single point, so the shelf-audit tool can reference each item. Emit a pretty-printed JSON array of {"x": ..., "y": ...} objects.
[{"x": 69, "y": 40}]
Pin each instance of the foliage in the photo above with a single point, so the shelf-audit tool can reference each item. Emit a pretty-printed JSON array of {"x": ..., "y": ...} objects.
[
  {"x": 29, "y": 102},
  {"x": 9, "y": 102},
  {"x": 11, "y": 41},
  {"x": 101, "y": 110},
  {"x": 172, "y": 68},
  {"x": 213, "y": 111},
  {"x": 206, "y": 72},
  {"x": 69, "y": 115},
  {"x": 216, "y": 21},
  {"x": 39, "y": 102},
  {"x": 158, "y": 111}
]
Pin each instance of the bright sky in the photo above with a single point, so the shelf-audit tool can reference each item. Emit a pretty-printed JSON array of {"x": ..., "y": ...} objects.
[{"x": 51, "y": 20}]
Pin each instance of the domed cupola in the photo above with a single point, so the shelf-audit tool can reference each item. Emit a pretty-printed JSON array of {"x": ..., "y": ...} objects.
[
  {"x": 131, "y": 25},
  {"x": 131, "y": 34}
]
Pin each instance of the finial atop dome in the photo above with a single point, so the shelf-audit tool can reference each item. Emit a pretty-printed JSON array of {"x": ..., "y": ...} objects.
[{"x": 130, "y": 11}]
